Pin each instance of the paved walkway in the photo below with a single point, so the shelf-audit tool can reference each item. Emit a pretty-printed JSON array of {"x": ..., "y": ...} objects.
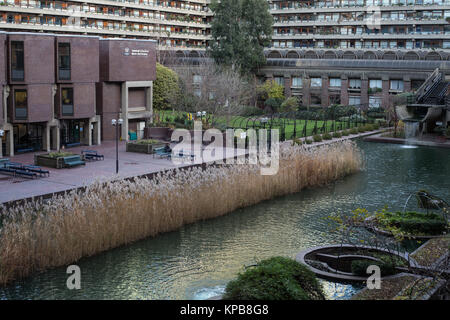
[{"x": 131, "y": 164}]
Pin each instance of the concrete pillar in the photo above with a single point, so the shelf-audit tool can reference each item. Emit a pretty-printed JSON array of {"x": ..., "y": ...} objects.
[
  {"x": 6, "y": 91},
  {"x": 10, "y": 142},
  {"x": 324, "y": 92},
  {"x": 287, "y": 85},
  {"x": 124, "y": 111},
  {"x": 385, "y": 97},
  {"x": 46, "y": 138},
  {"x": 364, "y": 90},
  {"x": 149, "y": 102},
  {"x": 307, "y": 91},
  {"x": 1, "y": 147},
  {"x": 344, "y": 90},
  {"x": 54, "y": 131},
  {"x": 406, "y": 83}
]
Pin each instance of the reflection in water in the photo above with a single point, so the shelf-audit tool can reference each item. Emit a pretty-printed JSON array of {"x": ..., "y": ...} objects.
[{"x": 198, "y": 260}]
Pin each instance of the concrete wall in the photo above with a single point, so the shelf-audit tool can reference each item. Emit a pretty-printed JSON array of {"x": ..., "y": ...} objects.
[
  {"x": 39, "y": 58},
  {"x": 136, "y": 97},
  {"x": 127, "y": 60},
  {"x": 84, "y": 100},
  {"x": 2, "y": 74},
  {"x": 84, "y": 58},
  {"x": 109, "y": 94}
]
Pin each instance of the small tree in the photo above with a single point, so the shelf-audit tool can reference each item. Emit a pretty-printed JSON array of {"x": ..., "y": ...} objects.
[
  {"x": 270, "y": 89},
  {"x": 289, "y": 105},
  {"x": 165, "y": 87}
]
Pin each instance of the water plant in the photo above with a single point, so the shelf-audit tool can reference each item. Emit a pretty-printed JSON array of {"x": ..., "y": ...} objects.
[
  {"x": 37, "y": 235},
  {"x": 277, "y": 278}
]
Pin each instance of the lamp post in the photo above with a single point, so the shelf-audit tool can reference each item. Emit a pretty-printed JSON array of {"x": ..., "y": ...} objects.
[{"x": 116, "y": 123}]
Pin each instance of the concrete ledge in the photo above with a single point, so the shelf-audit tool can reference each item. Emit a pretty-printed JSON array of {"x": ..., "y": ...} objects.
[{"x": 416, "y": 142}]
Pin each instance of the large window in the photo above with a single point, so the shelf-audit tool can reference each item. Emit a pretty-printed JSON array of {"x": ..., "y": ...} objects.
[
  {"x": 354, "y": 84},
  {"x": 20, "y": 104},
  {"x": 64, "y": 61},
  {"x": 17, "y": 61},
  {"x": 397, "y": 85},
  {"x": 335, "y": 82},
  {"x": 297, "y": 82},
  {"x": 316, "y": 82},
  {"x": 374, "y": 102},
  {"x": 279, "y": 81},
  {"x": 375, "y": 84},
  {"x": 354, "y": 100},
  {"x": 67, "y": 101}
]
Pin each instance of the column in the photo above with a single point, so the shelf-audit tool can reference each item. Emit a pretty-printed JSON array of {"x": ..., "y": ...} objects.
[
  {"x": 364, "y": 89},
  {"x": 124, "y": 111},
  {"x": 324, "y": 92},
  {"x": 385, "y": 97},
  {"x": 287, "y": 85},
  {"x": 344, "y": 90}
]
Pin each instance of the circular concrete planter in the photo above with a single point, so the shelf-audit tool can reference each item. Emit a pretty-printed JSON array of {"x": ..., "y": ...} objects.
[{"x": 329, "y": 254}]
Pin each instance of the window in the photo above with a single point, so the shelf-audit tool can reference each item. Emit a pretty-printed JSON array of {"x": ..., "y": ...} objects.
[
  {"x": 297, "y": 82},
  {"x": 374, "y": 102},
  {"x": 316, "y": 82},
  {"x": 316, "y": 99},
  {"x": 67, "y": 101},
  {"x": 335, "y": 82},
  {"x": 354, "y": 84},
  {"x": 397, "y": 85},
  {"x": 17, "y": 61},
  {"x": 20, "y": 104},
  {"x": 279, "y": 81},
  {"x": 374, "y": 84},
  {"x": 354, "y": 100},
  {"x": 64, "y": 61},
  {"x": 197, "y": 79}
]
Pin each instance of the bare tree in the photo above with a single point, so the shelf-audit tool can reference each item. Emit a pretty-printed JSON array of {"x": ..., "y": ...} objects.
[{"x": 205, "y": 86}]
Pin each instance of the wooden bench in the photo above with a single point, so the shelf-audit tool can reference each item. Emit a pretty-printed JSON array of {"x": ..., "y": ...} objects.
[
  {"x": 72, "y": 161},
  {"x": 162, "y": 152},
  {"x": 37, "y": 169},
  {"x": 92, "y": 155},
  {"x": 16, "y": 172},
  {"x": 23, "y": 150}
]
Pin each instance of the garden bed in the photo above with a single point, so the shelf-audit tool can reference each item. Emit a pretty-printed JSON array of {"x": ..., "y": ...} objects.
[
  {"x": 145, "y": 146},
  {"x": 52, "y": 160}
]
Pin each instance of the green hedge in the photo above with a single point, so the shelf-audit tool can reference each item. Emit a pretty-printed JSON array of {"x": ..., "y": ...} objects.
[
  {"x": 277, "y": 278},
  {"x": 416, "y": 222}
]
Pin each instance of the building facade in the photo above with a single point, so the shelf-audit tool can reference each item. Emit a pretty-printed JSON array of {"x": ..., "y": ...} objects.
[
  {"x": 55, "y": 89},
  {"x": 367, "y": 78},
  {"x": 177, "y": 23},
  {"x": 361, "y": 24}
]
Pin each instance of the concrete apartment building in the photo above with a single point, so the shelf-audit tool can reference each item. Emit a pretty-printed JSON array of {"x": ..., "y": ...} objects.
[
  {"x": 57, "y": 88},
  {"x": 357, "y": 52},
  {"x": 182, "y": 24}
]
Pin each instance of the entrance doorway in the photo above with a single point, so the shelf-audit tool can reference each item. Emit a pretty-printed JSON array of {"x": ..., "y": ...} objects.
[
  {"x": 72, "y": 132},
  {"x": 27, "y": 137}
]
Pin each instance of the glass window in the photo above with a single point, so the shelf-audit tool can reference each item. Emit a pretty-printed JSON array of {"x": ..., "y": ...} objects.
[
  {"x": 197, "y": 79},
  {"x": 375, "y": 83},
  {"x": 397, "y": 85},
  {"x": 335, "y": 82},
  {"x": 354, "y": 84},
  {"x": 316, "y": 82},
  {"x": 297, "y": 82},
  {"x": 20, "y": 104},
  {"x": 279, "y": 81},
  {"x": 64, "y": 61},
  {"x": 67, "y": 101},
  {"x": 354, "y": 100},
  {"x": 374, "y": 102},
  {"x": 17, "y": 61}
]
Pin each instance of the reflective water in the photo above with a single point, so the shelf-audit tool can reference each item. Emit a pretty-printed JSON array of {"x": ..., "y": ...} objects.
[{"x": 198, "y": 260}]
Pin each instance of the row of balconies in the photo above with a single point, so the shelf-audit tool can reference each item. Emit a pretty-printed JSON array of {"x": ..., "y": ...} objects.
[
  {"x": 311, "y": 9},
  {"x": 123, "y": 4},
  {"x": 417, "y": 35},
  {"x": 85, "y": 15},
  {"x": 436, "y": 20},
  {"x": 104, "y": 30}
]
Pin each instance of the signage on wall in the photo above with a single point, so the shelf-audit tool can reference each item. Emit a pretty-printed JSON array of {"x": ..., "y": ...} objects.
[{"x": 135, "y": 52}]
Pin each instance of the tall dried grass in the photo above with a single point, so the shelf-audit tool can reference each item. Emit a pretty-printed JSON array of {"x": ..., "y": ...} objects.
[{"x": 36, "y": 236}]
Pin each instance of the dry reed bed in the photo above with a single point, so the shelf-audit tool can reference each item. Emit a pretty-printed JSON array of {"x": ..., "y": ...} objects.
[{"x": 37, "y": 236}]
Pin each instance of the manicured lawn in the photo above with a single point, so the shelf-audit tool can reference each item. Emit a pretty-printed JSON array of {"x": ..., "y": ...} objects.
[{"x": 301, "y": 127}]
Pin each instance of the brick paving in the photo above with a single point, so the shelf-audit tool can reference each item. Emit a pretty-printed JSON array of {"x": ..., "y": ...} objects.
[{"x": 130, "y": 164}]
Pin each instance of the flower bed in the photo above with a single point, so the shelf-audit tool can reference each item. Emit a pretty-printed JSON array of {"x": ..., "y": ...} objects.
[
  {"x": 52, "y": 159},
  {"x": 145, "y": 146}
]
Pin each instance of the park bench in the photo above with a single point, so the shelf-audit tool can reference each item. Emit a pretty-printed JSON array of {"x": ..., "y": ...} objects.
[
  {"x": 16, "y": 172},
  {"x": 75, "y": 144},
  {"x": 72, "y": 161},
  {"x": 3, "y": 162},
  {"x": 92, "y": 155},
  {"x": 37, "y": 169},
  {"x": 23, "y": 150}
]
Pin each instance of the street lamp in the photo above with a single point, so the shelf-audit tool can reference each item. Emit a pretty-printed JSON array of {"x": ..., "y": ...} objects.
[{"x": 116, "y": 123}]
